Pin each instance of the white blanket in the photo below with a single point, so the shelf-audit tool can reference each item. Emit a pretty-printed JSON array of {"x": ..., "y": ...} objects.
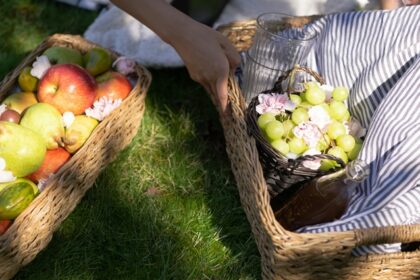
[{"x": 117, "y": 30}]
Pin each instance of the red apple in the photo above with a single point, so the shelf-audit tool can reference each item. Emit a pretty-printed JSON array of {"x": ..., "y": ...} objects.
[
  {"x": 4, "y": 225},
  {"x": 54, "y": 159},
  {"x": 68, "y": 87},
  {"x": 113, "y": 85}
]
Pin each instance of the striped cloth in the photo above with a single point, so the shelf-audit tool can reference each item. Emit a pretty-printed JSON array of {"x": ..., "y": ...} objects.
[{"x": 377, "y": 55}]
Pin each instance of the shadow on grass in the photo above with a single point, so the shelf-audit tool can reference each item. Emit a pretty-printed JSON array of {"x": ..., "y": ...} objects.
[{"x": 125, "y": 233}]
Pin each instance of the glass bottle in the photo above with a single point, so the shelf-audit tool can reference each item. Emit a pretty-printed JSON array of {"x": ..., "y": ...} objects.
[{"x": 320, "y": 200}]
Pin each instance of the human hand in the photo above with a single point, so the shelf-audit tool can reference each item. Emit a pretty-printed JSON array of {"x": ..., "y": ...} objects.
[{"x": 208, "y": 56}]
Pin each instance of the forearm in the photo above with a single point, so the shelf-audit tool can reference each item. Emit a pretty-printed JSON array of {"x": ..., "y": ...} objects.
[{"x": 159, "y": 16}]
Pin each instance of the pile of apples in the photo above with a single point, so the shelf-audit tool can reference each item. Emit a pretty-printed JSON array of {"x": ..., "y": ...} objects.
[{"x": 35, "y": 139}]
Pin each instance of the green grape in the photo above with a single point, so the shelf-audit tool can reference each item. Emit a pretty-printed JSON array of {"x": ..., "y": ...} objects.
[
  {"x": 305, "y": 105},
  {"x": 297, "y": 145},
  {"x": 302, "y": 96},
  {"x": 310, "y": 85},
  {"x": 338, "y": 152},
  {"x": 315, "y": 95},
  {"x": 288, "y": 128},
  {"x": 324, "y": 143},
  {"x": 338, "y": 110},
  {"x": 327, "y": 164},
  {"x": 352, "y": 155},
  {"x": 346, "y": 142},
  {"x": 281, "y": 146},
  {"x": 300, "y": 115},
  {"x": 340, "y": 93},
  {"x": 295, "y": 99},
  {"x": 264, "y": 119},
  {"x": 274, "y": 130},
  {"x": 347, "y": 116},
  {"x": 326, "y": 107},
  {"x": 335, "y": 130}
]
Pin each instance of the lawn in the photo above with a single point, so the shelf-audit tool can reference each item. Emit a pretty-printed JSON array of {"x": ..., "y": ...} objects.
[{"x": 167, "y": 207}]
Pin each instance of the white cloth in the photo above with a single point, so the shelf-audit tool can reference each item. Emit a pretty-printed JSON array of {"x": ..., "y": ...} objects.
[{"x": 119, "y": 31}]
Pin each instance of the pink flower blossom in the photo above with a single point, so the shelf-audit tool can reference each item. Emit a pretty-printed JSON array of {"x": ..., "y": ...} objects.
[
  {"x": 124, "y": 65},
  {"x": 102, "y": 108},
  {"x": 274, "y": 103},
  {"x": 309, "y": 132}
]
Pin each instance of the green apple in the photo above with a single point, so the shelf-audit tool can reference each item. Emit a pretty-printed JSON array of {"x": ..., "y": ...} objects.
[
  {"x": 47, "y": 121},
  {"x": 97, "y": 61},
  {"x": 64, "y": 55},
  {"x": 23, "y": 149},
  {"x": 19, "y": 101}
]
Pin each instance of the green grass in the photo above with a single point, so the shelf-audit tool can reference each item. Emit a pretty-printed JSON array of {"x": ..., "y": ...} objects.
[{"x": 167, "y": 207}]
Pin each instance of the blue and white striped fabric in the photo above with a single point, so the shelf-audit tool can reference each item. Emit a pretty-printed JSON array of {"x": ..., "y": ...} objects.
[{"x": 377, "y": 55}]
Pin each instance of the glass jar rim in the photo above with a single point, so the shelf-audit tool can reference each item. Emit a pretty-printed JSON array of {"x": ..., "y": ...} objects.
[{"x": 264, "y": 28}]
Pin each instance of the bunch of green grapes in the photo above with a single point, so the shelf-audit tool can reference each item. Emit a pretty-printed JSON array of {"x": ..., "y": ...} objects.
[{"x": 279, "y": 129}]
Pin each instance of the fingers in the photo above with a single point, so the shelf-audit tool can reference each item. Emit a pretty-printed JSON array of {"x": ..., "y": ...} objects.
[
  {"x": 231, "y": 53},
  {"x": 222, "y": 92}
]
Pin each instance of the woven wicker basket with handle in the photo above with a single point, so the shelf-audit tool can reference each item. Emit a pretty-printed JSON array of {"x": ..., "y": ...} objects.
[
  {"x": 294, "y": 256},
  {"x": 33, "y": 229}
]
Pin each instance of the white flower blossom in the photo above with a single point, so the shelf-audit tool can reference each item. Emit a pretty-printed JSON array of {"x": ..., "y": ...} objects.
[
  {"x": 40, "y": 66},
  {"x": 68, "y": 119},
  {"x": 124, "y": 65},
  {"x": 103, "y": 107},
  {"x": 312, "y": 164},
  {"x": 309, "y": 132},
  {"x": 328, "y": 91},
  {"x": 319, "y": 117},
  {"x": 5, "y": 175},
  {"x": 292, "y": 155},
  {"x": 311, "y": 152},
  {"x": 3, "y": 108}
]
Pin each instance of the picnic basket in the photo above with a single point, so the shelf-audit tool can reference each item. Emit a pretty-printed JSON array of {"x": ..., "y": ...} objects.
[
  {"x": 33, "y": 229},
  {"x": 302, "y": 256}
]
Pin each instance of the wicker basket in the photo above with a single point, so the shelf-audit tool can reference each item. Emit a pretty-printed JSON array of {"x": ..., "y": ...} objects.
[
  {"x": 33, "y": 229},
  {"x": 289, "y": 255},
  {"x": 280, "y": 172}
]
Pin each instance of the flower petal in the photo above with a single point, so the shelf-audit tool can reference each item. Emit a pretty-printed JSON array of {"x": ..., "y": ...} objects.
[
  {"x": 68, "y": 119},
  {"x": 40, "y": 66},
  {"x": 6, "y": 176}
]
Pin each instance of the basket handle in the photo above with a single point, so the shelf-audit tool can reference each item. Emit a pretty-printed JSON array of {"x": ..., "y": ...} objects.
[{"x": 386, "y": 235}]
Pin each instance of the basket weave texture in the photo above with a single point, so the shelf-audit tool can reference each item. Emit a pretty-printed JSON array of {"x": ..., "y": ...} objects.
[
  {"x": 33, "y": 229},
  {"x": 302, "y": 256}
]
